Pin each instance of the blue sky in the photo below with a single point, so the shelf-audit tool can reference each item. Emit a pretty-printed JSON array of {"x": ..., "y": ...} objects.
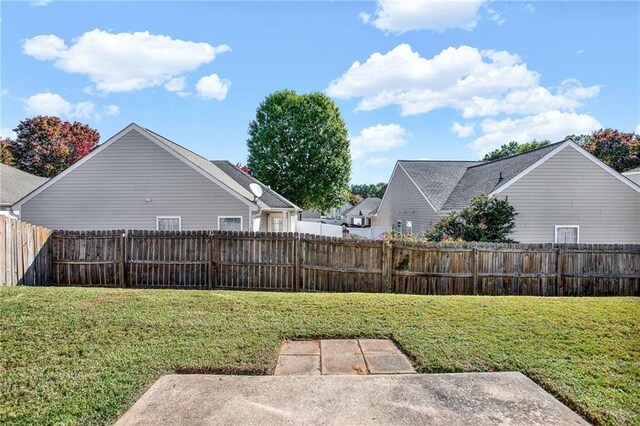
[{"x": 432, "y": 80}]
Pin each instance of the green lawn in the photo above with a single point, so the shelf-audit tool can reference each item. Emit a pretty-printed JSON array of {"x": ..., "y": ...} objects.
[{"x": 83, "y": 356}]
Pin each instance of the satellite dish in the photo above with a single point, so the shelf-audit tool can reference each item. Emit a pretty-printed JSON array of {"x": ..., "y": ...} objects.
[{"x": 256, "y": 189}]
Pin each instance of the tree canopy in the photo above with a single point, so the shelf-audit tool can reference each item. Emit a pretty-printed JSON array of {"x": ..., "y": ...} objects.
[
  {"x": 485, "y": 219},
  {"x": 617, "y": 149},
  {"x": 299, "y": 145},
  {"x": 366, "y": 190},
  {"x": 513, "y": 148},
  {"x": 45, "y": 146}
]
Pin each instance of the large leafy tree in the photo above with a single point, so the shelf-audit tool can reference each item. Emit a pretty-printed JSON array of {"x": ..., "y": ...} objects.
[
  {"x": 45, "y": 146},
  {"x": 513, "y": 148},
  {"x": 6, "y": 156},
  {"x": 298, "y": 145},
  {"x": 485, "y": 219},
  {"x": 617, "y": 149},
  {"x": 369, "y": 190}
]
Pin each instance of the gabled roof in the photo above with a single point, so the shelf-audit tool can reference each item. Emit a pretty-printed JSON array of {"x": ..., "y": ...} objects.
[
  {"x": 486, "y": 177},
  {"x": 229, "y": 181},
  {"x": 436, "y": 179},
  {"x": 366, "y": 207},
  {"x": 15, "y": 184},
  {"x": 450, "y": 185},
  {"x": 269, "y": 196}
]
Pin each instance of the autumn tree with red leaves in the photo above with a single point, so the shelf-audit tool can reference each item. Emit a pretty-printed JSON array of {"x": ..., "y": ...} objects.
[
  {"x": 45, "y": 146},
  {"x": 617, "y": 149}
]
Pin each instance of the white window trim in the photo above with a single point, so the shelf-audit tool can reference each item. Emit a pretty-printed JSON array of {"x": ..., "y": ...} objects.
[
  {"x": 231, "y": 217},
  {"x": 567, "y": 226},
  {"x": 169, "y": 217}
]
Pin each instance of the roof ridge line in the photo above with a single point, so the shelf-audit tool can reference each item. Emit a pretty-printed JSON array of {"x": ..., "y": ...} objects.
[{"x": 520, "y": 153}]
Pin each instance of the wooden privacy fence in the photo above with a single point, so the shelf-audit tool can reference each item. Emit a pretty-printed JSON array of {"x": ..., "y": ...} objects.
[
  {"x": 295, "y": 262},
  {"x": 25, "y": 253}
]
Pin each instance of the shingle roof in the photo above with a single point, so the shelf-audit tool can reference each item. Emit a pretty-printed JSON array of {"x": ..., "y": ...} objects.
[
  {"x": 269, "y": 197},
  {"x": 365, "y": 207},
  {"x": 229, "y": 175},
  {"x": 450, "y": 185},
  {"x": 484, "y": 178},
  {"x": 15, "y": 184}
]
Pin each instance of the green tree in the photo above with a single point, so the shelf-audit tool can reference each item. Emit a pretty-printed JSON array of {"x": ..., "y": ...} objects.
[
  {"x": 6, "y": 155},
  {"x": 366, "y": 190},
  {"x": 45, "y": 146},
  {"x": 617, "y": 149},
  {"x": 298, "y": 145},
  {"x": 485, "y": 219},
  {"x": 513, "y": 148}
]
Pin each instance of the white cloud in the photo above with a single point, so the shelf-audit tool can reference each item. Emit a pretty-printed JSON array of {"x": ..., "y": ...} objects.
[
  {"x": 551, "y": 125},
  {"x": 496, "y": 16},
  {"x": 381, "y": 137},
  {"x": 176, "y": 84},
  {"x": 122, "y": 62},
  {"x": 530, "y": 8},
  {"x": 462, "y": 130},
  {"x": 376, "y": 161},
  {"x": 40, "y": 2},
  {"x": 399, "y": 16},
  {"x": 112, "y": 110},
  {"x": 6, "y": 133},
  {"x": 213, "y": 87},
  {"x": 579, "y": 51},
  {"x": 48, "y": 103},
  {"x": 471, "y": 81},
  {"x": 364, "y": 17}
]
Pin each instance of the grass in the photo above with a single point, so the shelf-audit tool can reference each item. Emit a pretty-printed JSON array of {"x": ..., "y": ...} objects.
[{"x": 83, "y": 356}]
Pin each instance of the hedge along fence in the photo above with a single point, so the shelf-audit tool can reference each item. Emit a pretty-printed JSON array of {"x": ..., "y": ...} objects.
[{"x": 295, "y": 262}]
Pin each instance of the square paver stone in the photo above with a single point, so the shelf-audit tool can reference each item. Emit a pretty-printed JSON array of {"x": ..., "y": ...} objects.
[
  {"x": 300, "y": 347},
  {"x": 298, "y": 365},
  {"x": 343, "y": 364},
  {"x": 339, "y": 347},
  {"x": 389, "y": 364},
  {"x": 379, "y": 346}
]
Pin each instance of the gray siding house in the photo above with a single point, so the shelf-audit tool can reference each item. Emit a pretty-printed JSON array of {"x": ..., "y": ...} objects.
[
  {"x": 363, "y": 213},
  {"x": 15, "y": 184},
  {"x": 560, "y": 192},
  {"x": 140, "y": 180},
  {"x": 633, "y": 175}
]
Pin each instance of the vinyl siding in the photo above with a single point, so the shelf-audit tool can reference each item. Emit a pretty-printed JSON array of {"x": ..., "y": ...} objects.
[
  {"x": 569, "y": 189},
  {"x": 108, "y": 191},
  {"x": 403, "y": 201}
]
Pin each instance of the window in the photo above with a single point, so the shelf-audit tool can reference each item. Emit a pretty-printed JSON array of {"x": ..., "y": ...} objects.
[
  {"x": 356, "y": 221},
  {"x": 567, "y": 234},
  {"x": 169, "y": 223},
  {"x": 399, "y": 227},
  {"x": 409, "y": 227},
  {"x": 277, "y": 224},
  {"x": 230, "y": 223}
]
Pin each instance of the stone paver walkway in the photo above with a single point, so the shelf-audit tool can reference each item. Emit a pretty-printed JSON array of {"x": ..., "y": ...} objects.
[{"x": 340, "y": 357}]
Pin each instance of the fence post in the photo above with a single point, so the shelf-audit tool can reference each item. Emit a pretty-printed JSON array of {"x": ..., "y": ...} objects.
[
  {"x": 387, "y": 265},
  {"x": 123, "y": 260},
  {"x": 558, "y": 270},
  {"x": 214, "y": 275},
  {"x": 474, "y": 261},
  {"x": 298, "y": 254}
]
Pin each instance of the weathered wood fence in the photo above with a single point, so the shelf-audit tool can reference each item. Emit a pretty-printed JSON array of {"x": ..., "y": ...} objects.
[
  {"x": 295, "y": 262},
  {"x": 25, "y": 253}
]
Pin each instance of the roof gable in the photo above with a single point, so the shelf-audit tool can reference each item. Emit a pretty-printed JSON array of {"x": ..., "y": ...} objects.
[
  {"x": 15, "y": 184},
  {"x": 365, "y": 207}
]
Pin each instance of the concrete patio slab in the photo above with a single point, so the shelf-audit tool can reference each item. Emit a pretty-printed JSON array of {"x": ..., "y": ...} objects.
[
  {"x": 298, "y": 364},
  {"x": 416, "y": 399},
  {"x": 344, "y": 364},
  {"x": 339, "y": 347},
  {"x": 389, "y": 364},
  {"x": 300, "y": 347}
]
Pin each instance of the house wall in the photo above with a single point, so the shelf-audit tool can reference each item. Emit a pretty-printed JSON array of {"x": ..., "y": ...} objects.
[
  {"x": 109, "y": 190},
  {"x": 403, "y": 201},
  {"x": 634, "y": 177},
  {"x": 569, "y": 189}
]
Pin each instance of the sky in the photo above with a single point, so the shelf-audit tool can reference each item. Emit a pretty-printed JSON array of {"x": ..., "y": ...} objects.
[{"x": 413, "y": 80}]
